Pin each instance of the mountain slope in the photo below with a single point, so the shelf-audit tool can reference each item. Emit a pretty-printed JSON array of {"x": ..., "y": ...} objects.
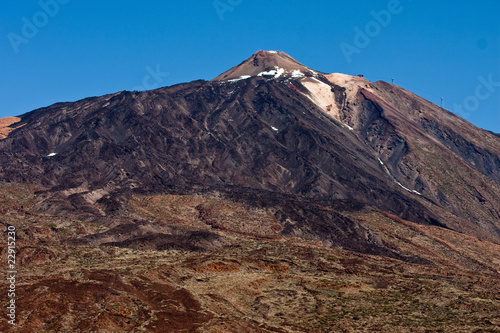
[
  {"x": 273, "y": 198},
  {"x": 270, "y": 126},
  {"x": 450, "y": 162},
  {"x": 235, "y": 280}
]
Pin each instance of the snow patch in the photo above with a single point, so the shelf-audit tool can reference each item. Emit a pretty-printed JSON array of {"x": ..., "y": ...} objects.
[
  {"x": 243, "y": 77},
  {"x": 272, "y": 51},
  {"x": 381, "y": 163},
  {"x": 274, "y": 128},
  {"x": 407, "y": 189},
  {"x": 315, "y": 79},
  {"x": 348, "y": 127},
  {"x": 297, "y": 73},
  {"x": 268, "y": 73},
  {"x": 51, "y": 154},
  {"x": 277, "y": 72}
]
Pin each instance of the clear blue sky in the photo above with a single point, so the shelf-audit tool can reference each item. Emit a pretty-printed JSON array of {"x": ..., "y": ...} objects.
[{"x": 88, "y": 48}]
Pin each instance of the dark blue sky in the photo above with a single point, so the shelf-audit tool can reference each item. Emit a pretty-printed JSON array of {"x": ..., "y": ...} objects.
[{"x": 65, "y": 50}]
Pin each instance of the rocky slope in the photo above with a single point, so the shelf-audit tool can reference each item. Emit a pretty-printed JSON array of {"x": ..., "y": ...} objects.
[
  {"x": 273, "y": 198},
  {"x": 246, "y": 278},
  {"x": 7, "y": 125},
  {"x": 269, "y": 125}
]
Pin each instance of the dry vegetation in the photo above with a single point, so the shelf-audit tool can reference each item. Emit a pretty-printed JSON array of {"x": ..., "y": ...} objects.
[
  {"x": 255, "y": 282},
  {"x": 6, "y": 126}
]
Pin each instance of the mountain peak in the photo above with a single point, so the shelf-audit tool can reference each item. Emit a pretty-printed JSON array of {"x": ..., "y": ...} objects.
[
  {"x": 272, "y": 57},
  {"x": 263, "y": 62}
]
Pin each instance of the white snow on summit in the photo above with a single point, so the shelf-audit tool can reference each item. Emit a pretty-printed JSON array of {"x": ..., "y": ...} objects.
[
  {"x": 275, "y": 72},
  {"x": 297, "y": 73}
]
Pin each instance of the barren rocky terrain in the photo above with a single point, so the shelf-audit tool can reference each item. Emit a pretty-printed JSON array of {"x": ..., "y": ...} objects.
[
  {"x": 273, "y": 198},
  {"x": 245, "y": 276}
]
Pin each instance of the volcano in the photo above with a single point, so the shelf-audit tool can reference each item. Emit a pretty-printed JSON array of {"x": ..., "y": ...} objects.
[
  {"x": 268, "y": 151},
  {"x": 269, "y": 125}
]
